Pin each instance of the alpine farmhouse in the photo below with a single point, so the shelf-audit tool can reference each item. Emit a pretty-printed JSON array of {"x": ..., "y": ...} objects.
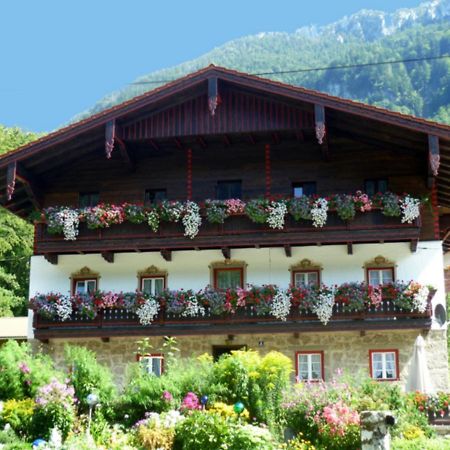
[{"x": 233, "y": 211}]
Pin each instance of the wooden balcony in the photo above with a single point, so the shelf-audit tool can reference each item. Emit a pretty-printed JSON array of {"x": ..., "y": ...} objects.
[
  {"x": 120, "y": 322},
  {"x": 237, "y": 232}
]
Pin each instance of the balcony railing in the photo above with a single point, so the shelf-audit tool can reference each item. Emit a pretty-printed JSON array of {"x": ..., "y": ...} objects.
[
  {"x": 237, "y": 231},
  {"x": 122, "y": 322}
]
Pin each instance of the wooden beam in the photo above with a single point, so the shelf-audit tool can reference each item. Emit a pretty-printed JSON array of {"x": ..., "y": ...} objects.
[
  {"x": 52, "y": 258},
  {"x": 227, "y": 141},
  {"x": 189, "y": 173},
  {"x": 154, "y": 144},
  {"x": 213, "y": 95},
  {"x": 433, "y": 159},
  {"x": 268, "y": 170},
  {"x": 276, "y": 138},
  {"x": 178, "y": 144},
  {"x": 110, "y": 135},
  {"x": 10, "y": 180},
  {"x": 202, "y": 142},
  {"x": 129, "y": 162},
  {"x": 349, "y": 248},
  {"x": 166, "y": 254},
  {"x": 288, "y": 250},
  {"x": 108, "y": 256},
  {"x": 226, "y": 252},
  {"x": 413, "y": 245},
  {"x": 31, "y": 185},
  {"x": 251, "y": 138}
]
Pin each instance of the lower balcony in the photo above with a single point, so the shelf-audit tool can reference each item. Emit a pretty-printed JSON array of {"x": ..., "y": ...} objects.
[{"x": 250, "y": 317}]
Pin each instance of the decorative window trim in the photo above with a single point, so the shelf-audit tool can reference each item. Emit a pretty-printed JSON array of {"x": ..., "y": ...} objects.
[
  {"x": 151, "y": 272},
  {"x": 227, "y": 264},
  {"x": 396, "y": 359},
  {"x": 84, "y": 274},
  {"x": 322, "y": 365},
  {"x": 303, "y": 266},
  {"x": 160, "y": 356},
  {"x": 379, "y": 263}
]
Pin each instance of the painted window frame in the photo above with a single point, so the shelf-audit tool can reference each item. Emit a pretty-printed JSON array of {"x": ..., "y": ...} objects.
[
  {"x": 160, "y": 356},
  {"x": 147, "y": 277},
  {"x": 216, "y": 270},
  {"x": 375, "y": 268},
  {"x": 295, "y": 271},
  {"x": 396, "y": 360},
  {"x": 322, "y": 365},
  {"x": 75, "y": 281}
]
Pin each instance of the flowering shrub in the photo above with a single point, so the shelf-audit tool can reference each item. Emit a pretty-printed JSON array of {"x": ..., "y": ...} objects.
[
  {"x": 66, "y": 220},
  {"x": 191, "y": 402},
  {"x": 436, "y": 405},
  {"x": 19, "y": 415}
]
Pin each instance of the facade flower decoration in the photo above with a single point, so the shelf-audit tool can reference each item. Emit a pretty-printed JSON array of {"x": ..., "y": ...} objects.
[
  {"x": 192, "y": 308},
  {"x": 410, "y": 208},
  {"x": 319, "y": 212},
  {"x": 64, "y": 309},
  {"x": 277, "y": 214},
  {"x": 281, "y": 305},
  {"x": 323, "y": 306},
  {"x": 153, "y": 220},
  {"x": 148, "y": 311},
  {"x": 191, "y": 219},
  {"x": 70, "y": 221}
]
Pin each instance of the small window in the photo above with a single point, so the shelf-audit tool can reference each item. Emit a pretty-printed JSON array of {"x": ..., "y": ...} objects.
[
  {"x": 374, "y": 186},
  {"x": 89, "y": 199},
  {"x": 384, "y": 364},
  {"x": 229, "y": 278},
  {"x": 380, "y": 276},
  {"x": 310, "y": 366},
  {"x": 306, "y": 278},
  {"x": 84, "y": 286},
  {"x": 154, "y": 196},
  {"x": 153, "y": 285},
  {"x": 152, "y": 364},
  {"x": 228, "y": 189},
  {"x": 301, "y": 189}
]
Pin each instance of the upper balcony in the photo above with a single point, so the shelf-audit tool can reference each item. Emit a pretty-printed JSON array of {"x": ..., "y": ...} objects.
[{"x": 109, "y": 230}]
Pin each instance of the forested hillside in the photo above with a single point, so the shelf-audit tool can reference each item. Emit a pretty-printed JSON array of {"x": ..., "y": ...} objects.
[
  {"x": 419, "y": 88},
  {"x": 16, "y": 241}
]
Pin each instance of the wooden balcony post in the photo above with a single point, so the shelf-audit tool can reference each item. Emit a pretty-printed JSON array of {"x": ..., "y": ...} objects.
[
  {"x": 268, "y": 170},
  {"x": 189, "y": 173}
]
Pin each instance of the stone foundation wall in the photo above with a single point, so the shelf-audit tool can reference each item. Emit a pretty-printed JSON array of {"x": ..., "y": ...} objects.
[{"x": 342, "y": 350}]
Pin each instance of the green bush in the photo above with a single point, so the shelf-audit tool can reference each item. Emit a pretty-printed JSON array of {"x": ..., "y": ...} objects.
[
  {"x": 22, "y": 372},
  {"x": 10, "y": 441},
  {"x": 88, "y": 376},
  {"x": 420, "y": 444},
  {"x": 19, "y": 415}
]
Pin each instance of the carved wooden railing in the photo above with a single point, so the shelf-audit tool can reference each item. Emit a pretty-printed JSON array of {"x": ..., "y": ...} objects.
[
  {"x": 371, "y": 226},
  {"x": 111, "y": 321}
]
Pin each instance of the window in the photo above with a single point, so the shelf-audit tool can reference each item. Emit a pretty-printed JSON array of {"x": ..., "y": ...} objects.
[
  {"x": 84, "y": 286},
  {"x": 154, "y": 196},
  {"x": 372, "y": 187},
  {"x": 309, "y": 366},
  {"x": 153, "y": 285},
  {"x": 230, "y": 277},
  {"x": 88, "y": 199},
  {"x": 301, "y": 189},
  {"x": 306, "y": 278},
  {"x": 380, "y": 275},
  {"x": 152, "y": 363},
  {"x": 383, "y": 364},
  {"x": 229, "y": 189}
]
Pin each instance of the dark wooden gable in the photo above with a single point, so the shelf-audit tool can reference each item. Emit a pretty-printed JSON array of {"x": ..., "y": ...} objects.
[{"x": 237, "y": 111}]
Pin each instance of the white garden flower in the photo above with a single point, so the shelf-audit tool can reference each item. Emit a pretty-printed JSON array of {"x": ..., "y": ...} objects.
[
  {"x": 64, "y": 309},
  {"x": 281, "y": 305},
  {"x": 420, "y": 299},
  {"x": 410, "y": 209},
  {"x": 193, "y": 308},
  {"x": 171, "y": 418},
  {"x": 191, "y": 219},
  {"x": 319, "y": 212},
  {"x": 277, "y": 214},
  {"x": 70, "y": 220},
  {"x": 324, "y": 307},
  {"x": 148, "y": 311}
]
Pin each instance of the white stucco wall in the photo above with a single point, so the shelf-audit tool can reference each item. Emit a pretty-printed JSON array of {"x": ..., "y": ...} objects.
[{"x": 189, "y": 269}]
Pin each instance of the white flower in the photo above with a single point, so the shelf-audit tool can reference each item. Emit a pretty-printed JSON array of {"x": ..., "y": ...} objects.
[
  {"x": 148, "y": 311},
  {"x": 319, "y": 212},
  {"x": 64, "y": 308},
  {"x": 281, "y": 305},
  {"x": 70, "y": 220},
  {"x": 191, "y": 219},
  {"x": 55, "y": 441},
  {"x": 277, "y": 213},
  {"x": 171, "y": 418},
  {"x": 153, "y": 221},
  {"x": 193, "y": 309},
  {"x": 324, "y": 307},
  {"x": 410, "y": 209},
  {"x": 420, "y": 299}
]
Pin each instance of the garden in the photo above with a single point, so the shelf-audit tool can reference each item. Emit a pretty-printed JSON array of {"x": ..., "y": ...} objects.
[{"x": 244, "y": 400}]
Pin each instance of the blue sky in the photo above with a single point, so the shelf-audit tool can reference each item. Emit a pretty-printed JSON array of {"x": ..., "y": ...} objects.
[{"x": 59, "y": 57}]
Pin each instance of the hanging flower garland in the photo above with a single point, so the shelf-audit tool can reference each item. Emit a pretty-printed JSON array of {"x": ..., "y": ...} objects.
[
  {"x": 64, "y": 309},
  {"x": 277, "y": 214},
  {"x": 70, "y": 221},
  {"x": 191, "y": 219},
  {"x": 153, "y": 220},
  {"x": 410, "y": 208},
  {"x": 319, "y": 212},
  {"x": 281, "y": 305},
  {"x": 148, "y": 311},
  {"x": 323, "y": 306},
  {"x": 192, "y": 308}
]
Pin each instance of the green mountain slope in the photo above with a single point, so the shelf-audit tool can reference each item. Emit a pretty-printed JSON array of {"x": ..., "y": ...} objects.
[{"x": 421, "y": 88}]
